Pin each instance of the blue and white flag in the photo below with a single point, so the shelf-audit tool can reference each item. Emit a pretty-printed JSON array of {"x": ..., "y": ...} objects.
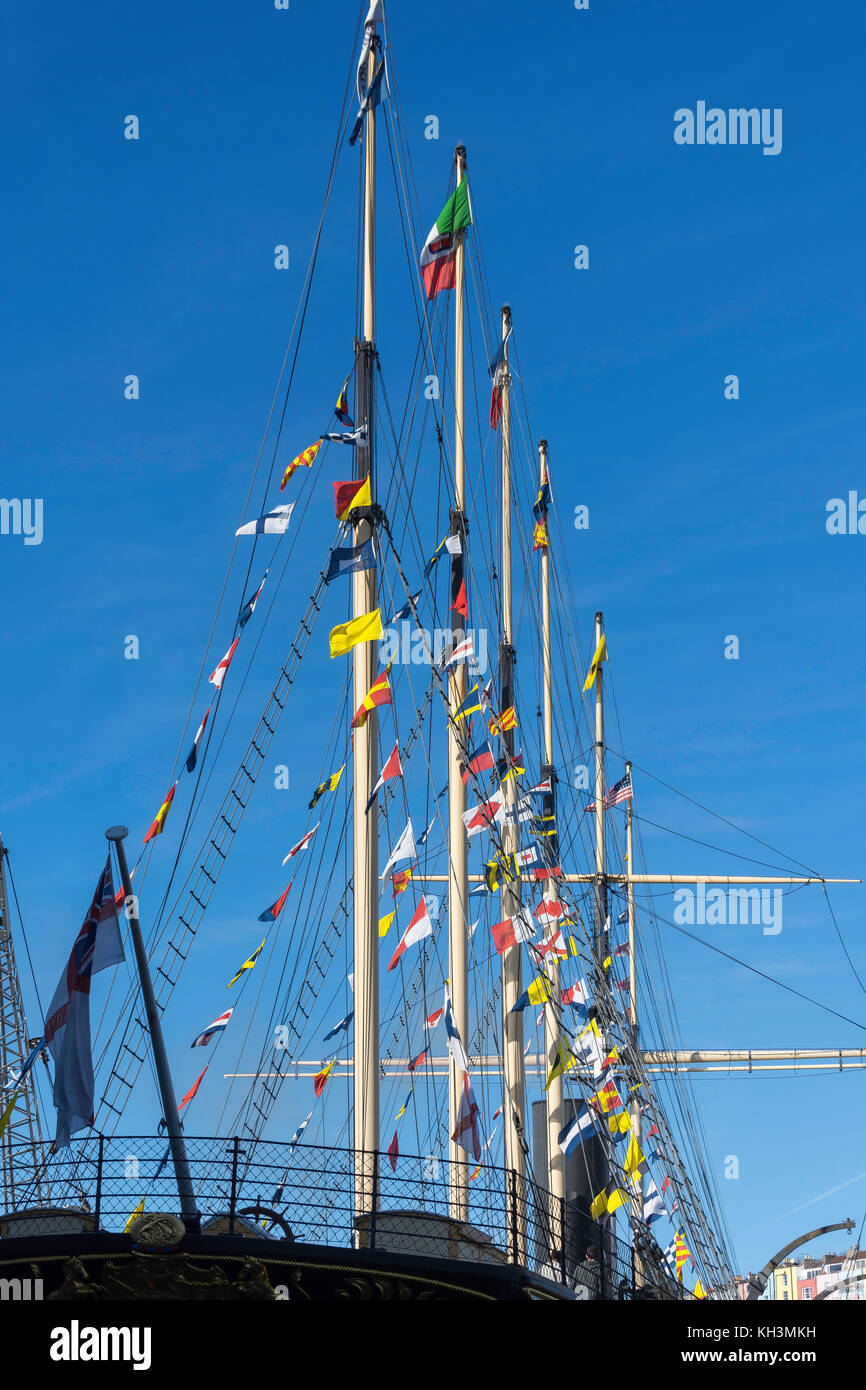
[
  {"x": 422, "y": 839},
  {"x": 192, "y": 756},
  {"x": 249, "y": 607},
  {"x": 406, "y": 610},
  {"x": 295, "y": 1139},
  {"x": 15, "y": 1077},
  {"x": 372, "y": 99},
  {"x": 670, "y": 1254},
  {"x": 577, "y": 1129},
  {"x": 350, "y": 559},
  {"x": 218, "y": 1026},
  {"x": 653, "y": 1206},
  {"x": 273, "y": 523},
  {"x": 359, "y": 436},
  {"x": 341, "y": 1027},
  {"x": 452, "y": 1036},
  {"x": 67, "y": 1023}
]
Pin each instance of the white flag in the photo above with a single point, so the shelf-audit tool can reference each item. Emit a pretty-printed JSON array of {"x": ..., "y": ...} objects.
[{"x": 404, "y": 849}]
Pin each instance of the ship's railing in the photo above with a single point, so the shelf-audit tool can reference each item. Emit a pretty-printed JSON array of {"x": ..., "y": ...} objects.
[{"x": 308, "y": 1194}]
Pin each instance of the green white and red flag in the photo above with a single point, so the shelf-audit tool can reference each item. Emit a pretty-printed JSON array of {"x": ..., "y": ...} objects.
[{"x": 440, "y": 249}]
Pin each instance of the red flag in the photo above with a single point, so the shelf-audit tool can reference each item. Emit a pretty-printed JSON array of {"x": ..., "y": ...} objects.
[
  {"x": 393, "y": 1153},
  {"x": 415, "y": 1064},
  {"x": 461, "y": 603},
  {"x": 192, "y": 1090}
]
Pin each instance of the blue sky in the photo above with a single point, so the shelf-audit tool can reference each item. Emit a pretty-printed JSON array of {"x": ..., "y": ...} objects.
[{"x": 708, "y": 515}]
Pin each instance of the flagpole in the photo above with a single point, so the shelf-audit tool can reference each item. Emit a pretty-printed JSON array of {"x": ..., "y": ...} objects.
[
  {"x": 116, "y": 834},
  {"x": 365, "y": 751},
  {"x": 512, "y": 1023},
  {"x": 601, "y": 940},
  {"x": 552, "y": 1031},
  {"x": 637, "y": 1200},
  {"x": 458, "y": 883}
]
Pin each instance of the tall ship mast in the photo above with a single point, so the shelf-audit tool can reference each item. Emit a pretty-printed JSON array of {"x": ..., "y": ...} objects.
[{"x": 449, "y": 1058}]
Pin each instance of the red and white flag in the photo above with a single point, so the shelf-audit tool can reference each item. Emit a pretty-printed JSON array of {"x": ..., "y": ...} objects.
[
  {"x": 483, "y": 817},
  {"x": 420, "y": 926},
  {"x": 391, "y": 769},
  {"x": 303, "y": 843},
  {"x": 466, "y": 1135},
  {"x": 67, "y": 1023},
  {"x": 577, "y": 994},
  {"x": 548, "y": 912},
  {"x": 513, "y": 930},
  {"x": 217, "y": 676},
  {"x": 555, "y": 944}
]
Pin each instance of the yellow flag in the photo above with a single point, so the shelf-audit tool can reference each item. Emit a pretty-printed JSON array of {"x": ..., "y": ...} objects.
[
  {"x": 606, "y": 963},
  {"x": 138, "y": 1211},
  {"x": 617, "y": 1198},
  {"x": 385, "y": 923},
  {"x": 699, "y": 1290},
  {"x": 634, "y": 1158},
  {"x": 619, "y": 1124},
  {"x": 7, "y": 1113},
  {"x": 538, "y": 992},
  {"x": 565, "y": 1060},
  {"x": 609, "y": 1200},
  {"x": 572, "y": 945},
  {"x": 600, "y": 655},
  {"x": 345, "y": 636}
]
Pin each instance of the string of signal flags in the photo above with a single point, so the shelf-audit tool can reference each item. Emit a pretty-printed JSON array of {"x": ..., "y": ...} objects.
[{"x": 343, "y": 638}]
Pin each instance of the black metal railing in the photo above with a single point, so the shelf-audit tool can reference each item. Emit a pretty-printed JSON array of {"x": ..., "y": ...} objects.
[{"x": 310, "y": 1195}]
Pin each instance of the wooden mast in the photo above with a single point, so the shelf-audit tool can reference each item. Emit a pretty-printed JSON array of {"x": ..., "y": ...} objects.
[
  {"x": 512, "y": 1023},
  {"x": 552, "y": 1031},
  {"x": 458, "y": 885},
  {"x": 637, "y": 1200},
  {"x": 366, "y": 741}
]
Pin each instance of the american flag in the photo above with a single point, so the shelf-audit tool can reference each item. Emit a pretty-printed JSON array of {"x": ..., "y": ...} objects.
[{"x": 620, "y": 791}]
